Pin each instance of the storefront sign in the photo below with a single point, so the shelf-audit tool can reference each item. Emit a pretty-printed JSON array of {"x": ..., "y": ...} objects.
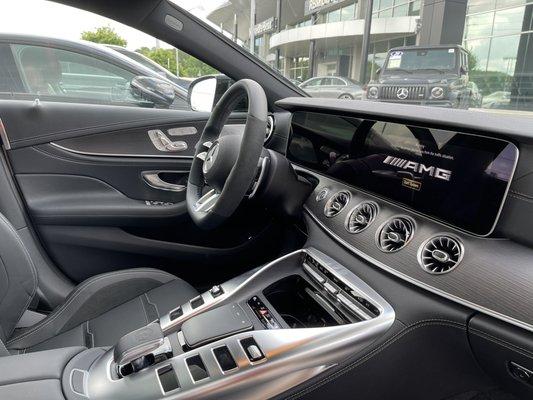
[
  {"x": 267, "y": 25},
  {"x": 313, "y": 6}
]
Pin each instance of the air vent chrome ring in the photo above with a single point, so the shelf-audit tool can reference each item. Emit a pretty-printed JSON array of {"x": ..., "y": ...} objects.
[
  {"x": 337, "y": 203},
  {"x": 440, "y": 254},
  {"x": 361, "y": 217},
  {"x": 395, "y": 233}
]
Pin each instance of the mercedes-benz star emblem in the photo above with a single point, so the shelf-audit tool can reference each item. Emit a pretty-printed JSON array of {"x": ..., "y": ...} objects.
[
  {"x": 402, "y": 93},
  {"x": 210, "y": 158}
]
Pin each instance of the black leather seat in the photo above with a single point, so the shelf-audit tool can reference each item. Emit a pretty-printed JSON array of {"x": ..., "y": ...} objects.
[{"x": 97, "y": 313}]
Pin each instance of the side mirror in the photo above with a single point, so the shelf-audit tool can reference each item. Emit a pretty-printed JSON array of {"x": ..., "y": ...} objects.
[
  {"x": 155, "y": 90},
  {"x": 205, "y": 92},
  {"x": 378, "y": 71}
]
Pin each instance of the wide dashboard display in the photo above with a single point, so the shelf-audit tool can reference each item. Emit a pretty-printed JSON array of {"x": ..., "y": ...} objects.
[{"x": 459, "y": 178}]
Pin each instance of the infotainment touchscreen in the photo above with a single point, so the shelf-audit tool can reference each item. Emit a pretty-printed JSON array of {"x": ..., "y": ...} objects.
[{"x": 459, "y": 178}]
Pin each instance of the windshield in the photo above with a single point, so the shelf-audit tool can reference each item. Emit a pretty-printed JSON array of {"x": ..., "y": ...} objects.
[
  {"x": 490, "y": 45},
  {"x": 423, "y": 59}
]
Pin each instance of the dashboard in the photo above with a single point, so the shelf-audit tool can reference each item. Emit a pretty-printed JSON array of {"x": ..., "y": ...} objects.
[{"x": 426, "y": 198}]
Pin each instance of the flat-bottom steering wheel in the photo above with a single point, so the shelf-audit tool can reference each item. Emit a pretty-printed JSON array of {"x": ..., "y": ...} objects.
[{"x": 224, "y": 167}]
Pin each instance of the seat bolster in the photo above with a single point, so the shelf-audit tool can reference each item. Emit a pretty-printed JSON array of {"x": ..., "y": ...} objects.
[
  {"x": 18, "y": 278},
  {"x": 90, "y": 299}
]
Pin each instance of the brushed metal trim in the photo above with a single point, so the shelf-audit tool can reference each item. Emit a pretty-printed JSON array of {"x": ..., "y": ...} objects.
[
  {"x": 432, "y": 289},
  {"x": 292, "y": 356},
  {"x": 102, "y": 154}
]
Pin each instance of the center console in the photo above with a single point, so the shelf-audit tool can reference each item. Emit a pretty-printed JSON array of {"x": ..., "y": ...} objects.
[{"x": 254, "y": 336}]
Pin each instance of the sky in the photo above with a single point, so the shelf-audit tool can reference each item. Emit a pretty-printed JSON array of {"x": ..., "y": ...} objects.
[{"x": 40, "y": 17}]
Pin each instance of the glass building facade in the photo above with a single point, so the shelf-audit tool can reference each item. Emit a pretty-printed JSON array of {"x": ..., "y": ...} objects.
[
  {"x": 309, "y": 38},
  {"x": 499, "y": 36}
]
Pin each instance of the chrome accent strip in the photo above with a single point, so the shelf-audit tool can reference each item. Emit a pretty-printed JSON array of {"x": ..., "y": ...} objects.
[
  {"x": 207, "y": 201},
  {"x": 152, "y": 179},
  {"x": 88, "y": 153},
  {"x": 416, "y": 282},
  {"x": 4, "y": 137},
  {"x": 182, "y": 131},
  {"x": 292, "y": 356}
]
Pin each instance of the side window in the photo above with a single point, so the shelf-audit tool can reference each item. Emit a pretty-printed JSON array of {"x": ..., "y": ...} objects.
[
  {"x": 326, "y": 81},
  {"x": 313, "y": 82},
  {"x": 337, "y": 82},
  {"x": 72, "y": 76}
]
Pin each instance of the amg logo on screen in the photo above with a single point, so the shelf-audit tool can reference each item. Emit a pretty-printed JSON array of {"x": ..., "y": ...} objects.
[{"x": 420, "y": 168}]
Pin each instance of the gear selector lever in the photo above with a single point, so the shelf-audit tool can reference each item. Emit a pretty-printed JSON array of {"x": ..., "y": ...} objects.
[{"x": 135, "y": 350}]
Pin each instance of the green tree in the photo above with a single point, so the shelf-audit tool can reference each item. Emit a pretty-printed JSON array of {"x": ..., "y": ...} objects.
[
  {"x": 104, "y": 35},
  {"x": 188, "y": 65}
]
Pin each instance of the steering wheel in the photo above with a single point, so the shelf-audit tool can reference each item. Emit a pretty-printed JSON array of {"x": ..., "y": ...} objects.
[{"x": 224, "y": 167}]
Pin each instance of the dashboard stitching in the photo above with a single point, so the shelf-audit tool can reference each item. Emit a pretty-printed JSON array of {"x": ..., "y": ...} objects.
[
  {"x": 521, "y": 197},
  {"x": 377, "y": 350},
  {"x": 502, "y": 342}
]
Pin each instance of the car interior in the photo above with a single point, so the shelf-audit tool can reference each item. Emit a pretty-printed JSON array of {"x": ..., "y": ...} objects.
[{"x": 278, "y": 246}]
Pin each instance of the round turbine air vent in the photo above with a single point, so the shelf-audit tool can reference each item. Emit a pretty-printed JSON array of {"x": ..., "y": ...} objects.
[
  {"x": 336, "y": 203},
  {"x": 361, "y": 217},
  {"x": 395, "y": 234},
  {"x": 269, "y": 128},
  {"x": 440, "y": 254}
]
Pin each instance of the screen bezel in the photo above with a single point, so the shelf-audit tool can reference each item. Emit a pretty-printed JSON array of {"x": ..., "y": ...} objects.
[{"x": 398, "y": 203}]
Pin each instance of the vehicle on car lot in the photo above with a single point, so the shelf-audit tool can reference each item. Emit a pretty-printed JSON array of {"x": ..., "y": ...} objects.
[
  {"x": 332, "y": 86},
  {"x": 259, "y": 243},
  {"x": 425, "y": 75},
  {"x": 80, "y": 70},
  {"x": 498, "y": 99}
]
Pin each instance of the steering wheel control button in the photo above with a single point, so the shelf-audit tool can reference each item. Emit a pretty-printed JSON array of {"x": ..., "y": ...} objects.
[
  {"x": 322, "y": 194},
  {"x": 216, "y": 291},
  {"x": 197, "y": 302},
  {"x": 197, "y": 368},
  {"x": 175, "y": 314},
  {"x": 224, "y": 358},
  {"x": 253, "y": 352}
]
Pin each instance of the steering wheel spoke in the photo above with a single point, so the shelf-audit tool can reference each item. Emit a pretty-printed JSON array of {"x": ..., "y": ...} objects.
[
  {"x": 229, "y": 166},
  {"x": 207, "y": 201}
]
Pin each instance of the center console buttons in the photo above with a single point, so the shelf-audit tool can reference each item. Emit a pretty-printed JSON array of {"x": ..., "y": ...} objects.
[
  {"x": 216, "y": 291},
  {"x": 252, "y": 350},
  {"x": 197, "y": 368},
  {"x": 263, "y": 313},
  {"x": 197, "y": 302}
]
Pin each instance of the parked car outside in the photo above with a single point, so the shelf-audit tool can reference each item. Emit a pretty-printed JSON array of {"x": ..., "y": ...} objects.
[
  {"x": 148, "y": 63},
  {"x": 498, "y": 99},
  {"x": 333, "y": 86},
  {"x": 429, "y": 75},
  {"x": 81, "y": 71}
]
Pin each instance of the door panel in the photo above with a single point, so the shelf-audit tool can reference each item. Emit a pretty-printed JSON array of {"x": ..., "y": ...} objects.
[{"x": 90, "y": 176}]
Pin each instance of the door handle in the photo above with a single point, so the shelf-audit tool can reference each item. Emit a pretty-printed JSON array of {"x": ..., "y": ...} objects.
[
  {"x": 152, "y": 179},
  {"x": 163, "y": 143}
]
